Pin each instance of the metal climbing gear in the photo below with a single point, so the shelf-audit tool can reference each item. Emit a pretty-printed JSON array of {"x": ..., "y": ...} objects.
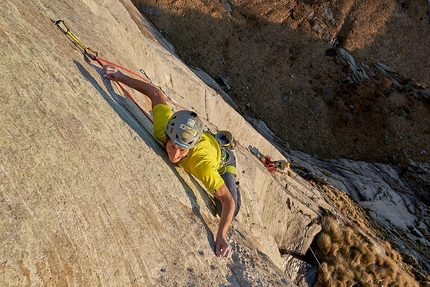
[
  {"x": 65, "y": 29},
  {"x": 94, "y": 56}
]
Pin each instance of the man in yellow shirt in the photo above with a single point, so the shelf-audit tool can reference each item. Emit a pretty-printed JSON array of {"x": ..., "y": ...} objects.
[{"x": 197, "y": 152}]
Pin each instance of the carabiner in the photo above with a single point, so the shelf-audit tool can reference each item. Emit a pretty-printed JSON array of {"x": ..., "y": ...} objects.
[
  {"x": 57, "y": 23},
  {"x": 90, "y": 52}
]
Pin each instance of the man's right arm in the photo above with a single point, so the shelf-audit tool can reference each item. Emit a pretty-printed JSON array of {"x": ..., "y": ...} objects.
[
  {"x": 222, "y": 247},
  {"x": 153, "y": 93}
]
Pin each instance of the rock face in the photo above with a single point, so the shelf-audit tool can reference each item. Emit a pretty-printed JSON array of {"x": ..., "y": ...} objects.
[{"x": 88, "y": 197}]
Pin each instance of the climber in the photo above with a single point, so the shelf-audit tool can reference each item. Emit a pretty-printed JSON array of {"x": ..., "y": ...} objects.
[{"x": 196, "y": 151}]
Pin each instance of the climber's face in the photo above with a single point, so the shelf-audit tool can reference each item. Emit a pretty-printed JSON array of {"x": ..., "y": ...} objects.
[{"x": 175, "y": 152}]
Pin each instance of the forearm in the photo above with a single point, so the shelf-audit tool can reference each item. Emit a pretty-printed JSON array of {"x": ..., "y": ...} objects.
[
  {"x": 227, "y": 213},
  {"x": 153, "y": 93}
]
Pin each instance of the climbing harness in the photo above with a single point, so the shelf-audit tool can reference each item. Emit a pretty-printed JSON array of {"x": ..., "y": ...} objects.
[{"x": 228, "y": 161}]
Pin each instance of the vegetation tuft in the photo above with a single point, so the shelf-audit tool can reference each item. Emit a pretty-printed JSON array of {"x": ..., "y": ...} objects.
[{"x": 354, "y": 255}]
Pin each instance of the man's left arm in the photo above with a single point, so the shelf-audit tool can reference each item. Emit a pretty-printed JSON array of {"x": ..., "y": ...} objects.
[{"x": 222, "y": 247}]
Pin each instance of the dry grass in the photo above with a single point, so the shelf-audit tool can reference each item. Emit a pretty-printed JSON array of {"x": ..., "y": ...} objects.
[
  {"x": 356, "y": 264},
  {"x": 348, "y": 255}
]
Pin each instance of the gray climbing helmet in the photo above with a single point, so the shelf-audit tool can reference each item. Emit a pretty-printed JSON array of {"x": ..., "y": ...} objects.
[{"x": 185, "y": 129}]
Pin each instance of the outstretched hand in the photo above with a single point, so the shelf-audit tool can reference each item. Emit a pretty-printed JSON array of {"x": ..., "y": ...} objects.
[
  {"x": 222, "y": 248},
  {"x": 112, "y": 73}
]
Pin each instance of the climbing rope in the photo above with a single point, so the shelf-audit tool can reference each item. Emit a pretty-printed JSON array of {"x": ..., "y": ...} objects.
[
  {"x": 92, "y": 54},
  {"x": 61, "y": 24}
]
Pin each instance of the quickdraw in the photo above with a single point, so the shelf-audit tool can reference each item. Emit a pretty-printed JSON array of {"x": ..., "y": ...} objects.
[
  {"x": 65, "y": 29},
  {"x": 94, "y": 56}
]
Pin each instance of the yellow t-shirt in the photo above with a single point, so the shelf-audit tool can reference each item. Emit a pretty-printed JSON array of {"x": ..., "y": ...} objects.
[{"x": 202, "y": 161}]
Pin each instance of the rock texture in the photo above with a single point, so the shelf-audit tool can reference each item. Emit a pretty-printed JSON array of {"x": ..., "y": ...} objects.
[{"x": 88, "y": 197}]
